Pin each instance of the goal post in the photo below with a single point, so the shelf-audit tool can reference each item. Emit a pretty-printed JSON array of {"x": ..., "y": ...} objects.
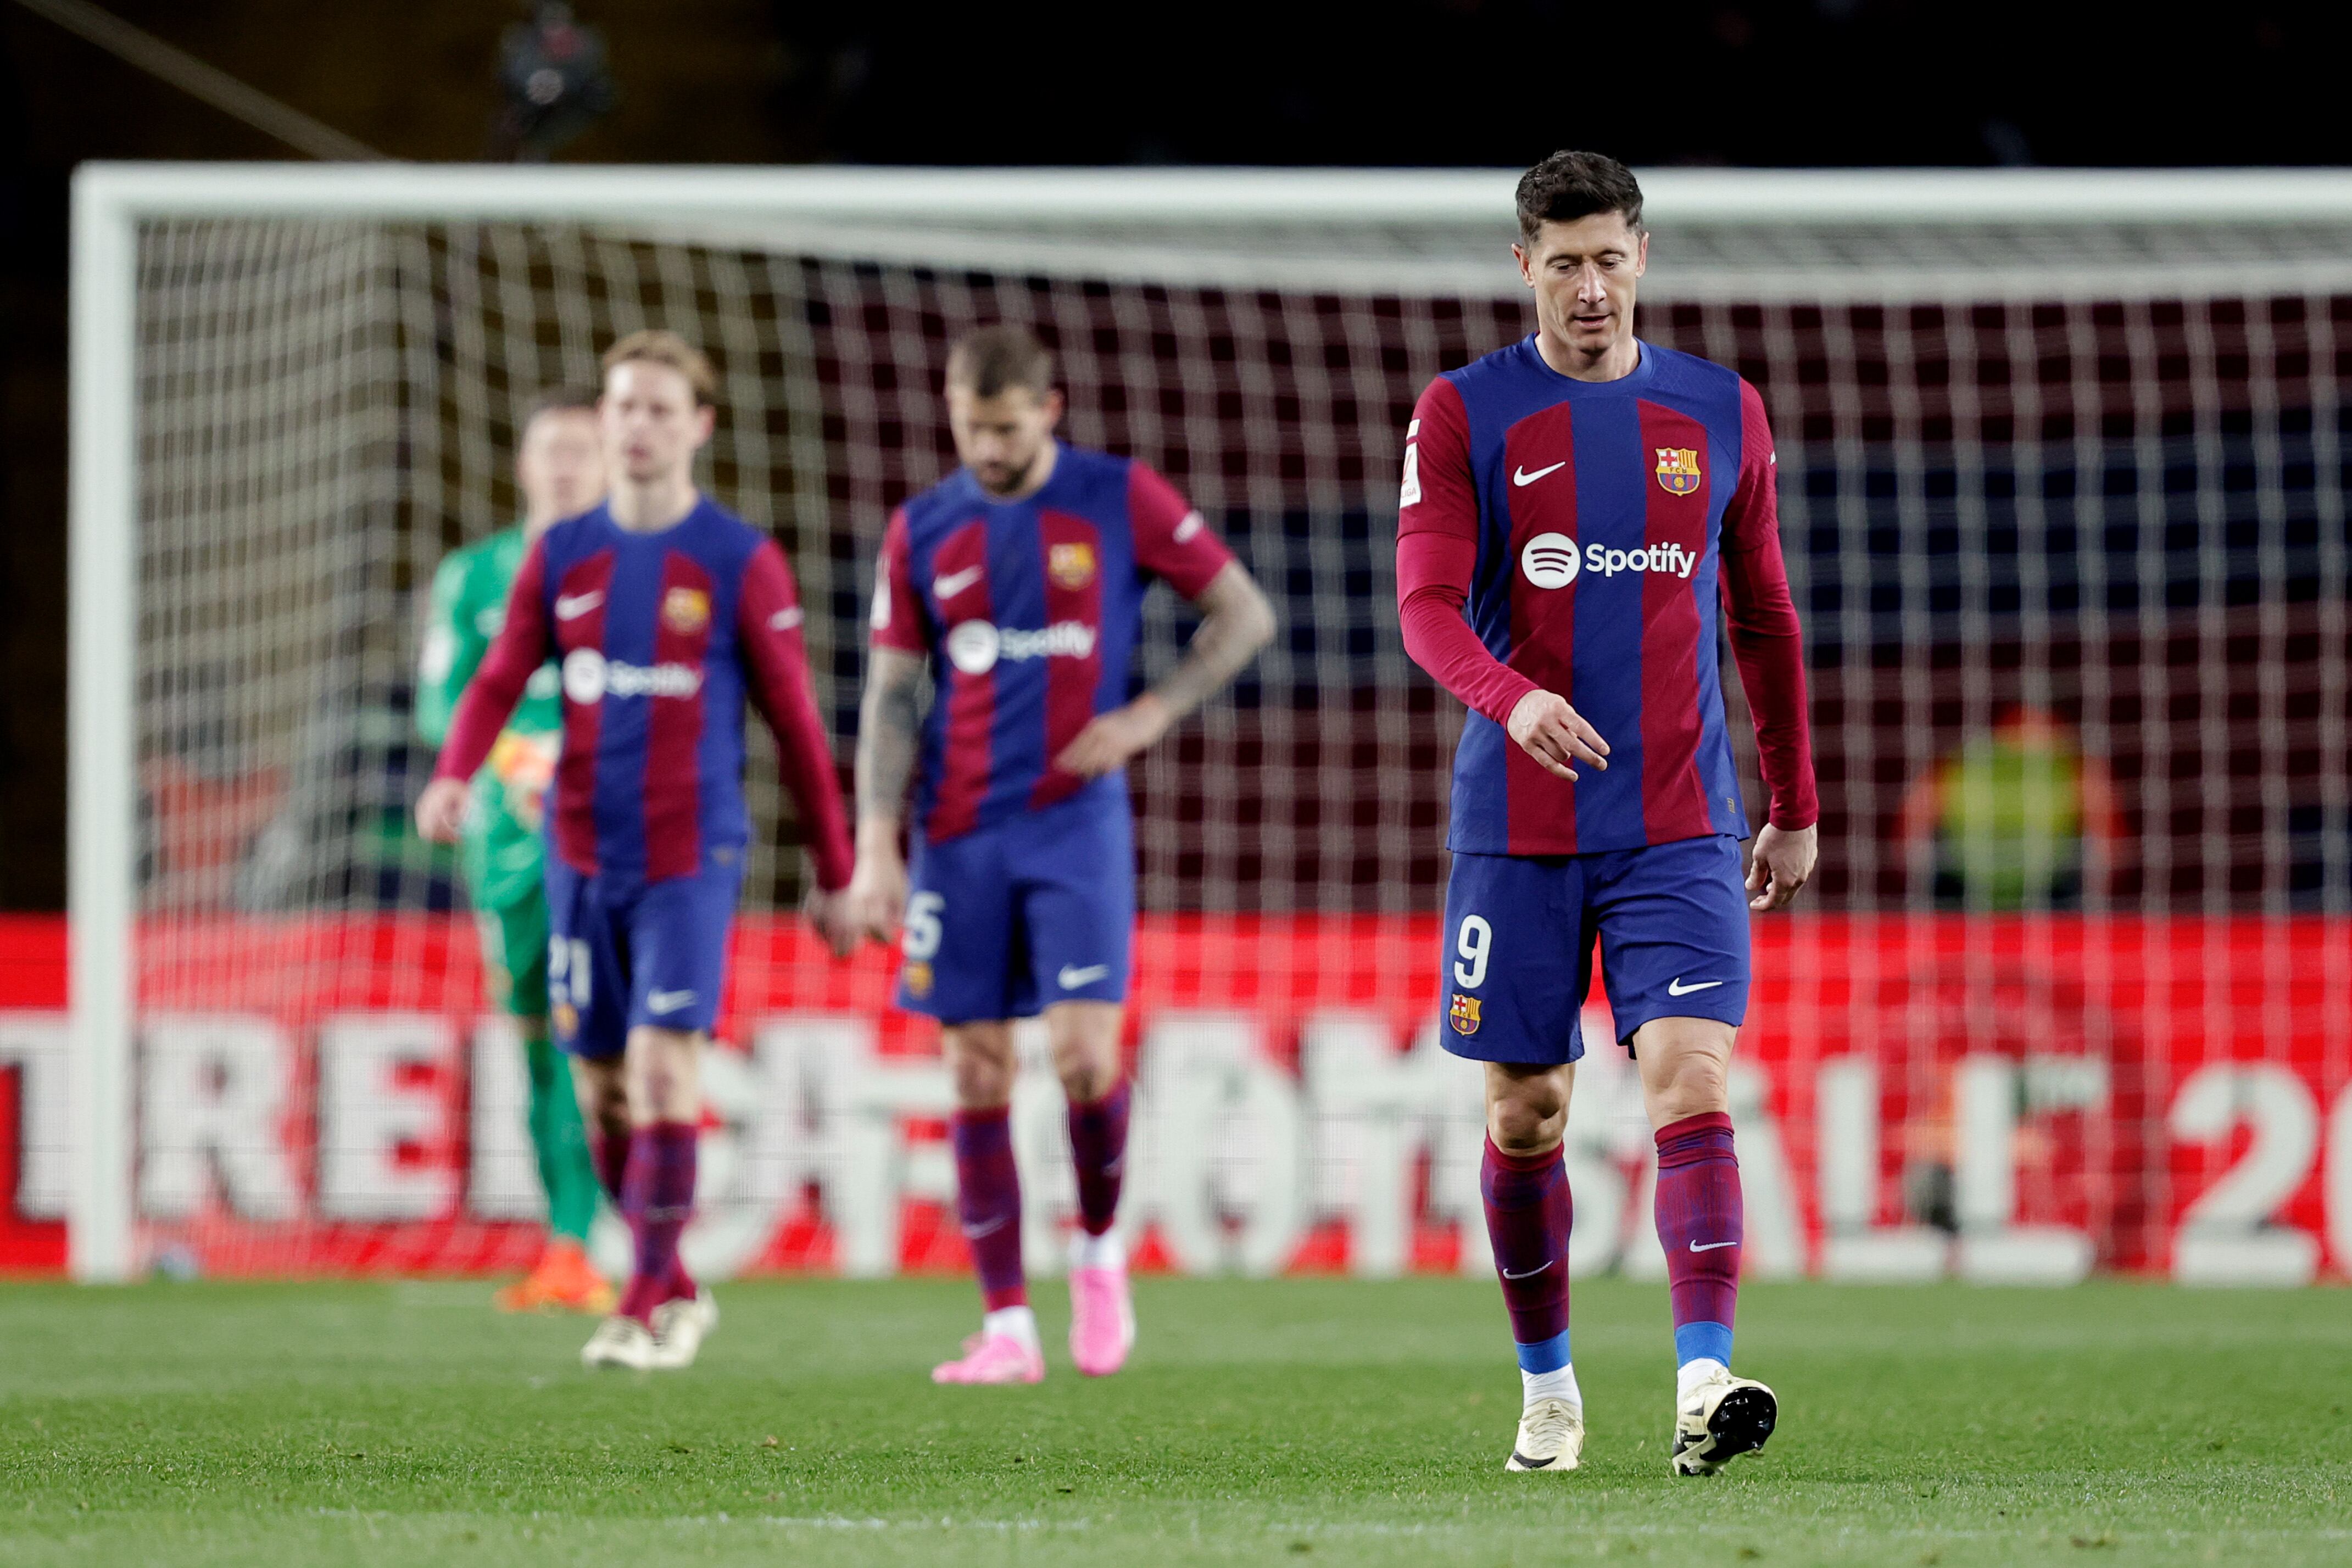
[{"x": 1260, "y": 329}]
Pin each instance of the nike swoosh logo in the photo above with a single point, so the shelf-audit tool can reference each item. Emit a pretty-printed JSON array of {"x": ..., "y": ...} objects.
[
  {"x": 1072, "y": 979},
  {"x": 1712, "y": 1246},
  {"x": 955, "y": 582},
  {"x": 571, "y": 606},
  {"x": 667, "y": 1001},
  {"x": 1190, "y": 524},
  {"x": 1521, "y": 476},
  {"x": 1532, "y": 1272},
  {"x": 974, "y": 1232},
  {"x": 784, "y": 620},
  {"x": 1674, "y": 988}
]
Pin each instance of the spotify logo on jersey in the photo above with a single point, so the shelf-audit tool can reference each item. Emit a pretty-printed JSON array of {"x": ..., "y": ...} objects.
[{"x": 1550, "y": 560}]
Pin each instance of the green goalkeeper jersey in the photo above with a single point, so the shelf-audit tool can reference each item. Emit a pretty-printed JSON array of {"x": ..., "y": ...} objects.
[{"x": 502, "y": 854}]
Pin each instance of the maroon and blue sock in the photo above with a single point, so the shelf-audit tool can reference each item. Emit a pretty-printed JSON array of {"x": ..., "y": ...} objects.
[
  {"x": 1699, "y": 1226},
  {"x": 988, "y": 1203},
  {"x": 1098, "y": 1150},
  {"x": 1528, "y": 1219},
  {"x": 658, "y": 1199},
  {"x": 611, "y": 1151}
]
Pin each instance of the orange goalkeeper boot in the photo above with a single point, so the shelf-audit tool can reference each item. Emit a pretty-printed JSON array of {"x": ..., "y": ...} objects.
[{"x": 564, "y": 1280}]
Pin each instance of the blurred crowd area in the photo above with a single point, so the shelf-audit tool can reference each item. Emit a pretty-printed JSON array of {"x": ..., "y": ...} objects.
[{"x": 1438, "y": 82}]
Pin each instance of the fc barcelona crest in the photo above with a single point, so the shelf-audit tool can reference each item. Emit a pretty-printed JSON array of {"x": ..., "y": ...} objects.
[
  {"x": 1072, "y": 565},
  {"x": 685, "y": 611},
  {"x": 1678, "y": 469},
  {"x": 917, "y": 978},
  {"x": 1463, "y": 1014}
]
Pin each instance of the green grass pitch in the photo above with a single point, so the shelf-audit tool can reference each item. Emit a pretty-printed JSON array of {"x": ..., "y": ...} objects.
[{"x": 1295, "y": 1421}]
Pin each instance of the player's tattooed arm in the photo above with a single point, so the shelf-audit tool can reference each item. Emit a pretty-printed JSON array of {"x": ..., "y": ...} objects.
[
  {"x": 888, "y": 735},
  {"x": 1235, "y": 622}
]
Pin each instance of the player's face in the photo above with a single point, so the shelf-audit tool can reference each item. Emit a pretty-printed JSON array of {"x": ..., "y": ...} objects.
[
  {"x": 653, "y": 426},
  {"x": 1583, "y": 273},
  {"x": 1001, "y": 438},
  {"x": 560, "y": 467}
]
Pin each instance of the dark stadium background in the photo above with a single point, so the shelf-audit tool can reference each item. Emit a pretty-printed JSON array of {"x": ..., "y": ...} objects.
[{"x": 742, "y": 81}]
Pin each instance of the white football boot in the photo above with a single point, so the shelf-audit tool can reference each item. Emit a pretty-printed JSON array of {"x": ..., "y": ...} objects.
[
  {"x": 621, "y": 1341},
  {"x": 679, "y": 1328},
  {"x": 1719, "y": 1419},
  {"x": 1552, "y": 1437}
]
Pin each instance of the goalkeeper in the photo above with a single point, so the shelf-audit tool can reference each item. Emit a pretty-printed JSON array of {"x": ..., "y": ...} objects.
[{"x": 560, "y": 468}]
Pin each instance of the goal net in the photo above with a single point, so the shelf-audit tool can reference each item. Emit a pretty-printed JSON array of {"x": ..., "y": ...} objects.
[{"x": 2061, "y": 495}]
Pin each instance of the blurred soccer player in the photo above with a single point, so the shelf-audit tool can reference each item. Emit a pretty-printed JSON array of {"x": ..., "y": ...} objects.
[
  {"x": 666, "y": 612},
  {"x": 560, "y": 468},
  {"x": 1587, "y": 496},
  {"x": 1021, "y": 577}
]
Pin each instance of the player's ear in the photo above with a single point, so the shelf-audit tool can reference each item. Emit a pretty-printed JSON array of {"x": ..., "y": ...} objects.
[
  {"x": 1527, "y": 267},
  {"x": 1642, "y": 253},
  {"x": 1055, "y": 404},
  {"x": 705, "y": 422}
]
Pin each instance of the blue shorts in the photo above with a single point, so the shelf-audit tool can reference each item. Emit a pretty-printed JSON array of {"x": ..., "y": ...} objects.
[
  {"x": 621, "y": 954},
  {"x": 1517, "y": 955},
  {"x": 1008, "y": 919}
]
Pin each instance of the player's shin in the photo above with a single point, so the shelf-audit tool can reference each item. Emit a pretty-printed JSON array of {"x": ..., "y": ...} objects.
[
  {"x": 658, "y": 1199},
  {"x": 1528, "y": 1212},
  {"x": 1699, "y": 1225},
  {"x": 988, "y": 1205}
]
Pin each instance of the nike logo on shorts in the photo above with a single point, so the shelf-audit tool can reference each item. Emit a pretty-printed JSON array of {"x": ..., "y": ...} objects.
[
  {"x": 1190, "y": 524},
  {"x": 1710, "y": 1246},
  {"x": 1674, "y": 988},
  {"x": 955, "y": 582},
  {"x": 1074, "y": 979},
  {"x": 1522, "y": 478},
  {"x": 667, "y": 1001},
  {"x": 784, "y": 620},
  {"x": 572, "y": 606},
  {"x": 974, "y": 1232},
  {"x": 1530, "y": 1273}
]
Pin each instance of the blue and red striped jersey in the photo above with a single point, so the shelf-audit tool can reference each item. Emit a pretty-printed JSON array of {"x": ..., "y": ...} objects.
[
  {"x": 1029, "y": 612},
  {"x": 1585, "y": 531},
  {"x": 661, "y": 637}
]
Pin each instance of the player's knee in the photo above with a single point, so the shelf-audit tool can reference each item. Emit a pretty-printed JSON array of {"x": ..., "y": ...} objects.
[
  {"x": 980, "y": 1065},
  {"x": 1695, "y": 1084}
]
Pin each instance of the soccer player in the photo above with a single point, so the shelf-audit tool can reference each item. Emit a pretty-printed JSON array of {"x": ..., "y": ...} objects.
[
  {"x": 560, "y": 468},
  {"x": 1573, "y": 504},
  {"x": 665, "y": 613},
  {"x": 1021, "y": 578}
]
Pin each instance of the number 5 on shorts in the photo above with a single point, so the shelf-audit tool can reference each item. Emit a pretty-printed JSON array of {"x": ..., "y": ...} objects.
[{"x": 921, "y": 937}]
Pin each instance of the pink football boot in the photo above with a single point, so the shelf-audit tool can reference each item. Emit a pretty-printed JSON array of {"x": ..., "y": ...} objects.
[
  {"x": 1102, "y": 1320},
  {"x": 992, "y": 1358}
]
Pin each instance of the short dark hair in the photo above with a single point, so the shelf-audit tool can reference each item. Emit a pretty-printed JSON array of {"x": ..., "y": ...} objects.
[
  {"x": 993, "y": 360},
  {"x": 558, "y": 400},
  {"x": 1568, "y": 186}
]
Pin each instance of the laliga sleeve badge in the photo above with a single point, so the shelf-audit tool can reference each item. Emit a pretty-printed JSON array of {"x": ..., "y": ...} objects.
[
  {"x": 567, "y": 1022},
  {"x": 1678, "y": 469},
  {"x": 1463, "y": 1014}
]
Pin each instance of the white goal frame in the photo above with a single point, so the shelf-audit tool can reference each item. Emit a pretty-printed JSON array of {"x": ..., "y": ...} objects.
[{"x": 112, "y": 200}]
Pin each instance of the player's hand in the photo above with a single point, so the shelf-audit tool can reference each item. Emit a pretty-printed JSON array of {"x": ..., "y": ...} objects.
[
  {"x": 1114, "y": 737},
  {"x": 1555, "y": 734},
  {"x": 876, "y": 893},
  {"x": 829, "y": 913},
  {"x": 1782, "y": 863},
  {"x": 441, "y": 810}
]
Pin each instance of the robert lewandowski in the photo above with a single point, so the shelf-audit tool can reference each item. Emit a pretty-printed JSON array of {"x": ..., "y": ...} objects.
[
  {"x": 665, "y": 613},
  {"x": 1574, "y": 507}
]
